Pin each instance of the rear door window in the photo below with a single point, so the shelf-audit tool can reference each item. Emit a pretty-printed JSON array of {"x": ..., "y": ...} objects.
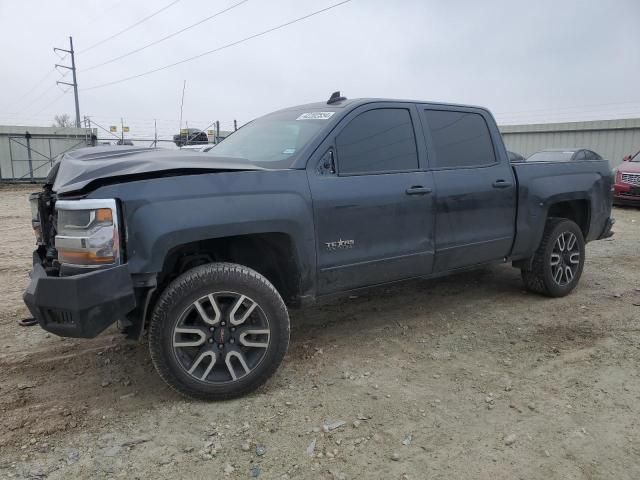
[{"x": 460, "y": 139}]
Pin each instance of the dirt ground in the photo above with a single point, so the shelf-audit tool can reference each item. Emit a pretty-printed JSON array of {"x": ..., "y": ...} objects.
[{"x": 464, "y": 377}]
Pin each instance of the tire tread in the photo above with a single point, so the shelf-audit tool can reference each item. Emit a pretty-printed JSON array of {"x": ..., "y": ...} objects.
[
  {"x": 534, "y": 278},
  {"x": 190, "y": 281}
]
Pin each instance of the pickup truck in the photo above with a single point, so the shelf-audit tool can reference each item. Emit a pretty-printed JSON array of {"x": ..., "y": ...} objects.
[{"x": 203, "y": 253}]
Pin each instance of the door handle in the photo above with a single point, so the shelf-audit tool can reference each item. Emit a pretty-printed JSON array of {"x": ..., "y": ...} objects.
[
  {"x": 417, "y": 190},
  {"x": 501, "y": 184}
]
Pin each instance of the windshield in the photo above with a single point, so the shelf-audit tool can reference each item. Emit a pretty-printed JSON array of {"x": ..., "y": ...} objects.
[
  {"x": 551, "y": 156},
  {"x": 273, "y": 140},
  {"x": 636, "y": 157}
]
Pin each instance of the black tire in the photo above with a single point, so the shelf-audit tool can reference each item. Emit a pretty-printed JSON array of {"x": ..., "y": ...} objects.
[
  {"x": 195, "y": 286},
  {"x": 540, "y": 278}
]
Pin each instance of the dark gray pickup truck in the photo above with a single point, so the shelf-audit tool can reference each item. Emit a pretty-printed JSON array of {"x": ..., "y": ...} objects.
[{"x": 204, "y": 251}]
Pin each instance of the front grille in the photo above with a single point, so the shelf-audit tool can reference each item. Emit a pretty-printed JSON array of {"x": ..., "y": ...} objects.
[
  {"x": 60, "y": 317},
  {"x": 631, "y": 178}
]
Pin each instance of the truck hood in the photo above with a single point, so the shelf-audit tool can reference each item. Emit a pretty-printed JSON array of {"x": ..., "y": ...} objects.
[{"x": 76, "y": 169}]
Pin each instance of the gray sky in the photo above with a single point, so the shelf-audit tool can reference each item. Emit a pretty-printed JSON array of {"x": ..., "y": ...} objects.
[{"x": 533, "y": 61}]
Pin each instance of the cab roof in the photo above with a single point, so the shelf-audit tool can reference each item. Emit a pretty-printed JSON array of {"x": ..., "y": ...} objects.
[{"x": 356, "y": 102}]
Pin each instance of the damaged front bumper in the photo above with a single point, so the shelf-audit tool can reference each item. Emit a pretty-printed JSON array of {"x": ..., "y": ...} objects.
[{"x": 80, "y": 306}]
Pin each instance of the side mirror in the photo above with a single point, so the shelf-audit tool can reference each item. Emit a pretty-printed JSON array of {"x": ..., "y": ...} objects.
[
  {"x": 327, "y": 164},
  {"x": 627, "y": 158}
]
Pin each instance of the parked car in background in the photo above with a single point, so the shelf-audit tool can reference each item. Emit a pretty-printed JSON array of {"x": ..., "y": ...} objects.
[
  {"x": 125, "y": 142},
  {"x": 515, "y": 157},
  {"x": 198, "y": 148},
  {"x": 563, "y": 155},
  {"x": 191, "y": 136},
  {"x": 626, "y": 190}
]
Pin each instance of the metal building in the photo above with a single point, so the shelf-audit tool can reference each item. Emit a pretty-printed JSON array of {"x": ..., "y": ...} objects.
[
  {"x": 27, "y": 153},
  {"x": 612, "y": 139}
]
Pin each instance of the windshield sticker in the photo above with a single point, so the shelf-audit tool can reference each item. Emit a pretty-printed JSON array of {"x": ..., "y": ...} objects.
[
  {"x": 316, "y": 116},
  {"x": 289, "y": 151}
]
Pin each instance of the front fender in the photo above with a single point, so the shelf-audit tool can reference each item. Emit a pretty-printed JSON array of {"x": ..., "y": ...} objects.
[{"x": 163, "y": 213}]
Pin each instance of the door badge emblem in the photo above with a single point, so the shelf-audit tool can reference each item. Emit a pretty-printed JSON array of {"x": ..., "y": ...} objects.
[{"x": 340, "y": 245}]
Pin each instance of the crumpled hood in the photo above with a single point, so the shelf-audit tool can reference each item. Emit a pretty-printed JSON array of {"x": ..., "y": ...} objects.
[{"x": 76, "y": 169}]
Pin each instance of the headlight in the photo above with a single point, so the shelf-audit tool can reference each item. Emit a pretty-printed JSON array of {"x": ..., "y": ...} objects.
[
  {"x": 35, "y": 217},
  {"x": 618, "y": 176},
  {"x": 87, "y": 232}
]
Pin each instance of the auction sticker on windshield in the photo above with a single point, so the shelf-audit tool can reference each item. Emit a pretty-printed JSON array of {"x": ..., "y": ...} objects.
[{"x": 316, "y": 116}]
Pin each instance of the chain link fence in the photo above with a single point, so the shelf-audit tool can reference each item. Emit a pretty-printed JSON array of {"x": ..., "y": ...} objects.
[{"x": 27, "y": 153}]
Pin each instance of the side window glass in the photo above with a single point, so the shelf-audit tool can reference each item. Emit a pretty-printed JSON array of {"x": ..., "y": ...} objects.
[
  {"x": 580, "y": 155},
  {"x": 460, "y": 139},
  {"x": 377, "y": 141}
]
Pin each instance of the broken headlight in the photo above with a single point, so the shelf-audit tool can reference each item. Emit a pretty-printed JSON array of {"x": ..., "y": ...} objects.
[
  {"x": 35, "y": 217},
  {"x": 87, "y": 232}
]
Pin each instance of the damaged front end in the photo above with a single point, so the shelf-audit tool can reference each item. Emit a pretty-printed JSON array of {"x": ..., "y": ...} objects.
[{"x": 79, "y": 286}]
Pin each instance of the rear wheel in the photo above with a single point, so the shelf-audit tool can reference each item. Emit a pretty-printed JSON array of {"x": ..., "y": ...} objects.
[
  {"x": 218, "y": 331},
  {"x": 558, "y": 261}
]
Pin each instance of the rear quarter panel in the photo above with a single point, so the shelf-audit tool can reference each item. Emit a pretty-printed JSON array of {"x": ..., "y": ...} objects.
[{"x": 541, "y": 184}]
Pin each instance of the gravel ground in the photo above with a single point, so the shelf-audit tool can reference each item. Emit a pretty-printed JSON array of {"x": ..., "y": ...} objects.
[{"x": 463, "y": 377}]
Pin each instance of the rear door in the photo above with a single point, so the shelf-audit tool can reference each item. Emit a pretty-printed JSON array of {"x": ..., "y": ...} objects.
[
  {"x": 476, "y": 190},
  {"x": 372, "y": 200}
]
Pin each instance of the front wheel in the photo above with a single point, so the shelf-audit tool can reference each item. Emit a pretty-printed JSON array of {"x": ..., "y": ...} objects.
[
  {"x": 218, "y": 331},
  {"x": 558, "y": 262}
]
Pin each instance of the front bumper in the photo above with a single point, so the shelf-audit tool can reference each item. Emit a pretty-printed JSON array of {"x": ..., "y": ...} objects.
[
  {"x": 631, "y": 200},
  {"x": 625, "y": 194},
  {"x": 80, "y": 306}
]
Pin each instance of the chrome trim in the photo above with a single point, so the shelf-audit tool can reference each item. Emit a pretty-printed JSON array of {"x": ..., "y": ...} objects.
[{"x": 631, "y": 178}]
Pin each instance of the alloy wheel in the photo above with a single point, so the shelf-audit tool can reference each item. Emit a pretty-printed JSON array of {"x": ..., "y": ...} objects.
[
  {"x": 221, "y": 337},
  {"x": 565, "y": 258}
]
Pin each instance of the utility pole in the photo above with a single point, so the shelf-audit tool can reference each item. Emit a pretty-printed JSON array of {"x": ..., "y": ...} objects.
[
  {"x": 75, "y": 80},
  {"x": 184, "y": 85}
]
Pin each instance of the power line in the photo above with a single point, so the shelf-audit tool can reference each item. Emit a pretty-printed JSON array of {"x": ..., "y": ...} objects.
[
  {"x": 128, "y": 28},
  {"x": 113, "y": 7},
  {"x": 567, "y": 108},
  {"x": 55, "y": 100},
  {"x": 218, "y": 49},
  {"x": 562, "y": 114},
  {"x": 32, "y": 89},
  {"x": 171, "y": 35},
  {"x": 38, "y": 97}
]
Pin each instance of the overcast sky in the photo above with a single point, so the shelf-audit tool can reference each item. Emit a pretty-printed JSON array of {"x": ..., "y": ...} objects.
[{"x": 528, "y": 61}]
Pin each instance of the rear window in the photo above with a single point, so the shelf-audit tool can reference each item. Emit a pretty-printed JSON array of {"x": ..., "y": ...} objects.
[{"x": 460, "y": 139}]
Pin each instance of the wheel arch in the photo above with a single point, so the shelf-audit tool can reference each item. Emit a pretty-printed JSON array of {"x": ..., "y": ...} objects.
[
  {"x": 272, "y": 254},
  {"x": 576, "y": 210},
  {"x": 571, "y": 207}
]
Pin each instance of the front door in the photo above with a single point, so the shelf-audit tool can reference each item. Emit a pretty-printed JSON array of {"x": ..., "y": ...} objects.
[{"x": 372, "y": 201}]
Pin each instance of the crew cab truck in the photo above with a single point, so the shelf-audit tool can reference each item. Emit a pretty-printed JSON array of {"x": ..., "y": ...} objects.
[{"x": 204, "y": 252}]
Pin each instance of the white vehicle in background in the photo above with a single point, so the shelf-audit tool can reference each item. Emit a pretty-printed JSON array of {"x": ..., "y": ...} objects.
[{"x": 198, "y": 148}]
